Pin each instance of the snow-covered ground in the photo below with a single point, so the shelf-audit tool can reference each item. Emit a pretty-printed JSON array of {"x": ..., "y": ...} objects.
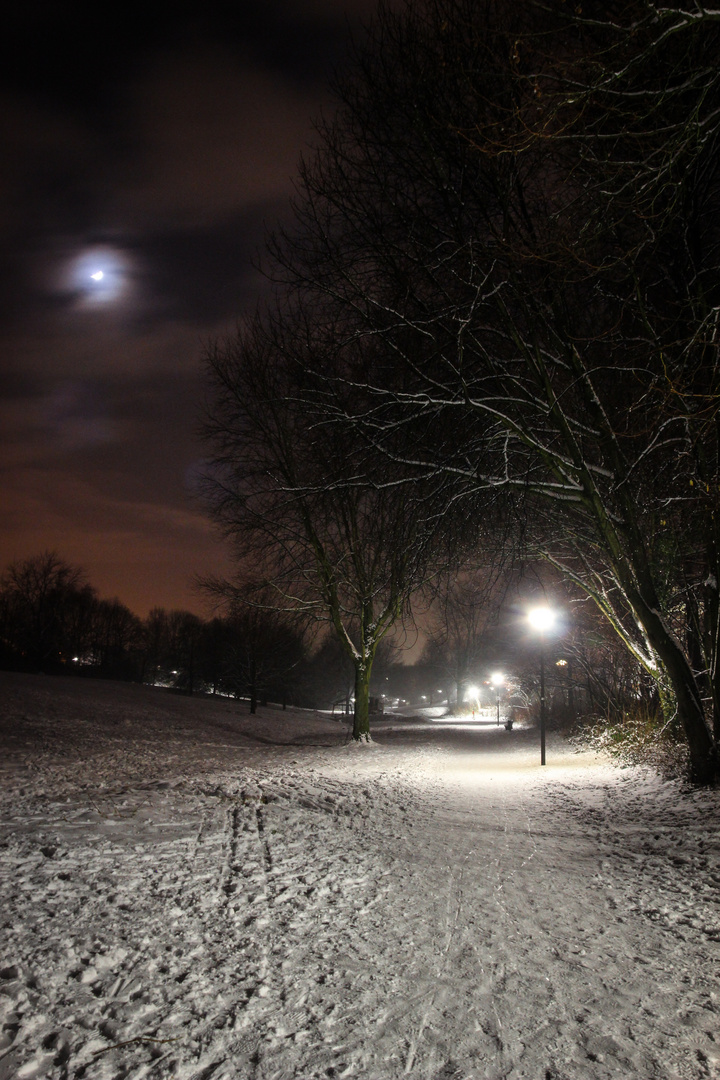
[{"x": 188, "y": 891}]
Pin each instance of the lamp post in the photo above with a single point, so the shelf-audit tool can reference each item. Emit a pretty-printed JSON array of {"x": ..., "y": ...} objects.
[
  {"x": 541, "y": 619},
  {"x": 497, "y": 679}
]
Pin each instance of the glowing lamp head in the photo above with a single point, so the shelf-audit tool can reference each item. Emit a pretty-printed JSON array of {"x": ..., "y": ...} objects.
[
  {"x": 497, "y": 678},
  {"x": 471, "y": 692},
  {"x": 97, "y": 276},
  {"x": 541, "y": 618}
]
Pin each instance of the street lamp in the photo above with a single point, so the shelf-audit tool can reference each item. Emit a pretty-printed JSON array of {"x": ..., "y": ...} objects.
[
  {"x": 542, "y": 619},
  {"x": 498, "y": 680}
]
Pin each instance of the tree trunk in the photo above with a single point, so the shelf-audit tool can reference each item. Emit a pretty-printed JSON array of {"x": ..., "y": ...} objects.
[
  {"x": 191, "y": 671},
  {"x": 690, "y": 712},
  {"x": 571, "y": 691},
  {"x": 712, "y": 638},
  {"x": 635, "y": 577},
  {"x": 361, "y": 719},
  {"x": 459, "y": 695},
  {"x": 253, "y": 686}
]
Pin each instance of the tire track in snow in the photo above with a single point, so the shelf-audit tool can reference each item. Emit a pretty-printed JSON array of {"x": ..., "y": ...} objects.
[
  {"x": 229, "y": 869},
  {"x": 252, "y": 884}
]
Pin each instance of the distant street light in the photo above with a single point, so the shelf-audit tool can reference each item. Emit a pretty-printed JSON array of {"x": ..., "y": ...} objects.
[
  {"x": 498, "y": 680},
  {"x": 542, "y": 619}
]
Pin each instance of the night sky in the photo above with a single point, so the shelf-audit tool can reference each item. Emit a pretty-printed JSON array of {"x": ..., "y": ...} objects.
[{"x": 153, "y": 149}]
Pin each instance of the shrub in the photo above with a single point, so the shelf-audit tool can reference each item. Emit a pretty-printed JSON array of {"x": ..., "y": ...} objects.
[{"x": 640, "y": 737}]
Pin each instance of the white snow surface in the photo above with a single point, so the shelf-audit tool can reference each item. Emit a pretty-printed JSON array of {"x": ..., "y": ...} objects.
[{"x": 188, "y": 891}]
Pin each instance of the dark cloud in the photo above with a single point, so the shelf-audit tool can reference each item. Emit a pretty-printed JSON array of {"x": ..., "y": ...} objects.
[
  {"x": 207, "y": 275},
  {"x": 162, "y": 141},
  {"x": 212, "y": 134},
  {"x": 80, "y": 55}
]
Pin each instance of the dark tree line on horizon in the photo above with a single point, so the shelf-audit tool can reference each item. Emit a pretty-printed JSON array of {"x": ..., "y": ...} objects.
[
  {"x": 53, "y": 622},
  {"x": 498, "y": 302}
]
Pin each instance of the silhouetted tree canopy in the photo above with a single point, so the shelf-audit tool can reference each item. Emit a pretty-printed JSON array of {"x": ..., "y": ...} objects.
[{"x": 510, "y": 227}]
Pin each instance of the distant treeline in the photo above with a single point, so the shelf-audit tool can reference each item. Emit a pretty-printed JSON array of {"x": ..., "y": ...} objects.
[{"x": 52, "y": 620}]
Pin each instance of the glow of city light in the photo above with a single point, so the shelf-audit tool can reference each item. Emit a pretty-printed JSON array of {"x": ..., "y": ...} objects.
[{"x": 541, "y": 618}]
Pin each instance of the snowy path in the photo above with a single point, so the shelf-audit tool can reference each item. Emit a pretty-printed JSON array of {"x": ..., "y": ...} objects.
[{"x": 188, "y": 892}]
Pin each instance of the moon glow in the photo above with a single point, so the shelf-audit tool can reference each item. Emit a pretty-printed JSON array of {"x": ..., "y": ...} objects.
[{"x": 99, "y": 275}]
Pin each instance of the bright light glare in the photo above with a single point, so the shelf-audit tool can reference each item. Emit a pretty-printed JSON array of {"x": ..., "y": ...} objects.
[
  {"x": 497, "y": 678},
  {"x": 99, "y": 275},
  {"x": 541, "y": 618},
  {"x": 471, "y": 692}
]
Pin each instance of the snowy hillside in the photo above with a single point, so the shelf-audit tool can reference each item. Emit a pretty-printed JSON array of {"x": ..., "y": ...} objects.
[{"x": 191, "y": 892}]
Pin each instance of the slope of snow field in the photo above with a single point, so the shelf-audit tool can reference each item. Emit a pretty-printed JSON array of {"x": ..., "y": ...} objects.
[{"x": 191, "y": 892}]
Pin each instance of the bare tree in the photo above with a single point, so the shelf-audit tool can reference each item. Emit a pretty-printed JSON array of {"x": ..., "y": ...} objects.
[
  {"x": 40, "y": 597},
  {"x": 262, "y": 649},
  {"x": 114, "y": 640},
  {"x": 154, "y": 644},
  {"x": 312, "y": 516},
  {"x": 464, "y": 620},
  {"x": 518, "y": 207}
]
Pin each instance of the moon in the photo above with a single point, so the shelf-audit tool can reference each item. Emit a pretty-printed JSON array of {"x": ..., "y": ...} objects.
[{"x": 99, "y": 276}]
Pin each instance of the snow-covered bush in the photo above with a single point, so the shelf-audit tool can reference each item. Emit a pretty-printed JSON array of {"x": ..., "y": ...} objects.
[{"x": 640, "y": 737}]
